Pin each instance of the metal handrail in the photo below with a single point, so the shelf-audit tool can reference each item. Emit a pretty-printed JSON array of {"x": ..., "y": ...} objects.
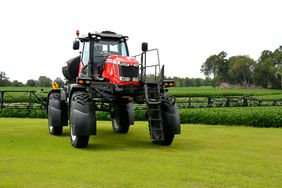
[{"x": 31, "y": 101}]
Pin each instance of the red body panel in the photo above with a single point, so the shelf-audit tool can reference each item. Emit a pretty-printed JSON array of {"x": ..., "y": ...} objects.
[{"x": 111, "y": 69}]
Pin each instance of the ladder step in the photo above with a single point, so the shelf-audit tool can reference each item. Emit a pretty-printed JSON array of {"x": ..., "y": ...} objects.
[
  {"x": 155, "y": 102},
  {"x": 157, "y": 109},
  {"x": 158, "y": 130},
  {"x": 155, "y": 119},
  {"x": 153, "y": 99}
]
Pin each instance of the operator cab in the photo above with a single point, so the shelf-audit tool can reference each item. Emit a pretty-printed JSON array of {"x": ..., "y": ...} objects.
[
  {"x": 100, "y": 47},
  {"x": 105, "y": 48}
]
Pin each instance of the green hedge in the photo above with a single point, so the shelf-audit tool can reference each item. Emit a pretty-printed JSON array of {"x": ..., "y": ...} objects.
[
  {"x": 140, "y": 115},
  {"x": 23, "y": 113},
  {"x": 250, "y": 116}
]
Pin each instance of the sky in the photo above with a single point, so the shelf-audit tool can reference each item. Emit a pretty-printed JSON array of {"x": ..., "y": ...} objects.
[{"x": 37, "y": 36}]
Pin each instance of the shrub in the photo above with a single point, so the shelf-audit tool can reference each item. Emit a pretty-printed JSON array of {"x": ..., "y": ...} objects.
[
  {"x": 23, "y": 113},
  {"x": 250, "y": 116}
]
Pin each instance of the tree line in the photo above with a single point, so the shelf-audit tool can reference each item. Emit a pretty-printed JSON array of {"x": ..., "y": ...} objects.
[
  {"x": 242, "y": 70},
  {"x": 184, "y": 82},
  {"x": 42, "y": 81},
  {"x": 191, "y": 82}
]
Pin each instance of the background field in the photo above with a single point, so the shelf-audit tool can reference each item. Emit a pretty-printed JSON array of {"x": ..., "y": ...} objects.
[
  {"x": 192, "y": 91},
  {"x": 202, "y": 156},
  {"x": 211, "y": 91},
  {"x": 250, "y": 116}
]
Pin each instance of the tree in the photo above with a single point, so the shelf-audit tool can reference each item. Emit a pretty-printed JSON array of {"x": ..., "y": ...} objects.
[
  {"x": 241, "y": 70},
  {"x": 217, "y": 66},
  {"x": 187, "y": 82},
  {"x": 44, "y": 81},
  {"x": 16, "y": 83},
  {"x": 31, "y": 83},
  {"x": 223, "y": 66},
  {"x": 4, "y": 80},
  {"x": 277, "y": 56},
  {"x": 209, "y": 67},
  {"x": 268, "y": 71},
  {"x": 264, "y": 71},
  {"x": 266, "y": 54}
]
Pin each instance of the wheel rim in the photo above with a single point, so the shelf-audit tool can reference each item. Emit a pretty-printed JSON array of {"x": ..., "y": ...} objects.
[
  {"x": 51, "y": 129},
  {"x": 73, "y": 137},
  {"x": 115, "y": 123}
]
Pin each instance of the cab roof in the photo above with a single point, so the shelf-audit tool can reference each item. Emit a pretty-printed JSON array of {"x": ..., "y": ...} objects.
[{"x": 106, "y": 35}]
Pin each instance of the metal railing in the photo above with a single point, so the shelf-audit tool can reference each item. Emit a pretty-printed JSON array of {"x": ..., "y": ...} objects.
[
  {"x": 23, "y": 99},
  {"x": 144, "y": 65},
  {"x": 37, "y": 100},
  {"x": 208, "y": 102}
]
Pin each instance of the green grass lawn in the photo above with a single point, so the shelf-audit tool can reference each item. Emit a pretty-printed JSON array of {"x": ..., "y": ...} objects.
[{"x": 202, "y": 156}]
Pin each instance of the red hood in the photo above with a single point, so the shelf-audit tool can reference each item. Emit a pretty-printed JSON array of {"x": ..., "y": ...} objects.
[
  {"x": 120, "y": 58},
  {"x": 112, "y": 69}
]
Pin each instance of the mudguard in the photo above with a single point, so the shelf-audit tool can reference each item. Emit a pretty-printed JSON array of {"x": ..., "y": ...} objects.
[
  {"x": 63, "y": 95},
  {"x": 170, "y": 115},
  {"x": 83, "y": 118},
  {"x": 57, "y": 110},
  {"x": 73, "y": 88},
  {"x": 48, "y": 97}
]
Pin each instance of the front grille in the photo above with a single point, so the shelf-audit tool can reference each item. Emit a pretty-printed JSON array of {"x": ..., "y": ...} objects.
[{"x": 129, "y": 72}]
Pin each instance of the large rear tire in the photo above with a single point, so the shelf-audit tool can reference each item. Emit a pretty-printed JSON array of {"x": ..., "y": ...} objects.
[
  {"x": 168, "y": 137},
  {"x": 82, "y": 115},
  {"x": 170, "y": 120},
  {"x": 122, "y": 117},
  {"x": 55, "y": 130},
  {"x": 57, "y": 114},
  {"x": 78, "y": 141}
]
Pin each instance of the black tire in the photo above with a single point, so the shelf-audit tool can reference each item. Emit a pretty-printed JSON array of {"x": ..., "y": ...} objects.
[
  {"x": 55, "y": 128},
  {"x": 121, "y": 117},
  {"x": 81, "y": 102},
  {"x": 78, "y": 141},
  {"x": 168, "y": 137},
  {"x": 168, "y": 105}
]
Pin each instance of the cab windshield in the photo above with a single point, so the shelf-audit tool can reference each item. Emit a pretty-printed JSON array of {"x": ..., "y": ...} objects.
[{"x": 104, "y": 48}]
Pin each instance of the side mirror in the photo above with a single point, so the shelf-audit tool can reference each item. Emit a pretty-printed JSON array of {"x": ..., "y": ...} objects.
[
  {"x": 144, "y": 46},
  {"x": 75, "y": 45}
]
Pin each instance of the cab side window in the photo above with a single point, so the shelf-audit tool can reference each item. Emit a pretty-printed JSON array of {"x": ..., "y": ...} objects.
[{"x": 85, "y": 53}]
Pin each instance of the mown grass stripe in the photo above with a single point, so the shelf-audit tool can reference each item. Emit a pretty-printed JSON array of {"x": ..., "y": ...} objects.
[{"x": 202, "y": 156}]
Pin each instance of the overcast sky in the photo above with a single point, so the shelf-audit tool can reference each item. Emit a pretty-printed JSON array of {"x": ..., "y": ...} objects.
[{"x": 36, "y": 36}]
